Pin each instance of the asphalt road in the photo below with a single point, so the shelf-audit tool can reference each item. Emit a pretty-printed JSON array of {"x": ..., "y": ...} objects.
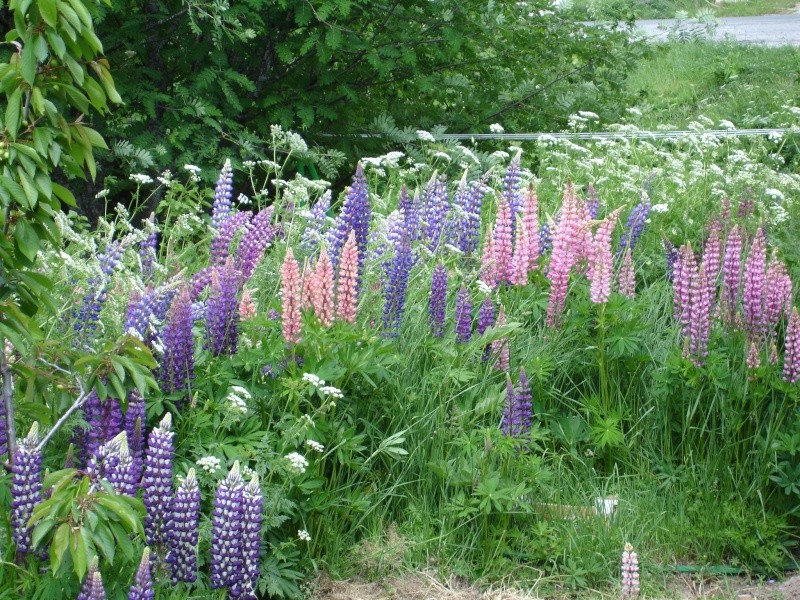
[{"x": 770, "y": 30}]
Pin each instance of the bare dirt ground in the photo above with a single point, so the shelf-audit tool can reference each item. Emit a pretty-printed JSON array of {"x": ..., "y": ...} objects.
[{"x": 425, "y": 586}]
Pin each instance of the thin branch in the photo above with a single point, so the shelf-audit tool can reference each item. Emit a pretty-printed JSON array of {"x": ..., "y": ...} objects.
[
  {"x": 8, "y": 401},
  {"x": 79, "y": 401}
]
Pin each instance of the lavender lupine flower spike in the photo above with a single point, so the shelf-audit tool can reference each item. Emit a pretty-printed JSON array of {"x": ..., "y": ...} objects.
[
  {"x": 396, "y": 287},
  {"x": 227, "y": 538},
  {"x": 511, "y": 191},
  {"x": 253, "y": 507},
  {"x": 317, "y": 220},
  {"x": 635, "y": 225},
  {"x": 148, "y": 249},
  {"x": 507, "y": 425},
  {"x": 221, "y": 244},
  {"x": 183, "y": 532},
  {"x": 257, "y": 237},
  {"x": 157, "y": 481},
  {"x": 463, "y": 316},
  {"x": 142, "y": 588},
  {"x": 135, "y": 422},
  {"x": 93, "y": 584},
  {"x": 26, "y": 487},
  {"x": 223, "y": 193},
  {"x": 523, "y": 415},
  {"x": 437, "y": 300}
]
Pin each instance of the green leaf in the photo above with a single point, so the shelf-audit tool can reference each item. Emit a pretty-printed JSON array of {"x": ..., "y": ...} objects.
[
  {"x": 13, "y": 113},
  {"x": 28, "y": 62},
  {"x": 59, "y": 546},
  {"x": 49, "y": 11},
  {"x": 75, "y": 69},
  {"x": 79, "y": 549},
  {"x": 26, "y": 239},
  {"x": 15, "y": 190},
  {"x": 64, "y": 194}
]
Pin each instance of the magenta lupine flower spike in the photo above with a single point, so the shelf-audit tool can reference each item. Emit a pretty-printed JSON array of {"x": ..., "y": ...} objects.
[
  {"x": 754, "y": 281},
  {"x": 227, "y": 537},
  {"x": 791, "y": 357},
  {"x": 93, "y": 584},
  {"x": 347, "y": 284},
  {"x": 630, "y": 573},
  {"x": 731, "y": 276},
  {"x": 291, "y": 289},
  {"x": 712, "y": 256},
  {"x": 600, "y": 260},
  {"x": 530, "y": 219},
  {"x": 500, "y": 350},
  {"x": 142, "y": 588},
  {"x": 778, "y": 294},
  {"x": 26, "y": 487},
  {"x": 502, "y": 247},
  {"x": 157, "y": 481},
  {"x": 685, "y": 273},
  {"x": 322, "y": 290},
  {"x": 521, "y": 261},
  {"x": 183, "y": 531},
  {"x": 566, "y": 242},
  {"x": 627, "y": 276},
  {"x": 489, "y": 272},
  {"x": 700, "y": 318},
  {"x": 253, "y": 516}
]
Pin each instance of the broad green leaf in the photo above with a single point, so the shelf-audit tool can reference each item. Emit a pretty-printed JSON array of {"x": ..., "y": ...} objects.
[
  {"x": 49, "y": 11},
  {"x": 13, "y": 113},
  {"x": 15, "y": 190},
  {"x": 76, "y": 70},
  {"x": 56, "y": 43},
  {"x": 59, "y": 546},
  {"x": 28, "y": 62},
  {"x": 26, "y": 239},
  {"x": 64, "y": 194}
]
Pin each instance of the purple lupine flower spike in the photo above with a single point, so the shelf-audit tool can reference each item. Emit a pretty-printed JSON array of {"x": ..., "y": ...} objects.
[
  {"x": 463, "y": 316},
  {"x": 3, "y": 429},
  {"x": 592, "y": 202},
  {"x": 436, "y": 205},
  {"x": 104, "y": 464},
  {"x": 135, "y": 421},
  {"x": 222, "y": 311},
  {"x": 157, "y": 481},
  {"x": 93, "y": 584},
  {"x": 671, "y": 255},
  {"x": 26, "y": 488},
  {"x": 545, "y": 239},
  {"x": 223, "y": 194},
  {"x": 356, "y": 215},
  {"x": 396, "y": 287},
  {"x": 635, "y": 225},
  {"x": 511, "y": 188},
  {"x": 257, "y": 237},
  {"x": 105, "y": 422},
  {"x": 315, "y": 230},
  {"x": 221, "y": 244},
  {"x": 120, "y": 475},
  {"x": 437, "y": 300},
  {"x": 177, "y": 365},
  {"x": 523, "y": 407},
  {"x": 142, "y": 588},
  {"x": 486, "y": 320},
  {"x": 183, "y": 532},
  {"x": 253, "y": 516},
  {"x": 148, "y": 249},
  {"x": 410, "y": 211},
  {"x": 754, "y": 280},
  {"x": 87, "y": 317},
  {"x": 227, "y": 537}
]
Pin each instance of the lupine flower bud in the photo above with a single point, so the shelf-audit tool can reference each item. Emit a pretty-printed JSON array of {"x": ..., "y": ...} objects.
[
  {"x": 177, "y": 365},
  {"x": 291, "y": 290},
  {"x": 754, "y": 283},
  {"x": 253, "y": 515},
  {"x": 223, "y": 193},
  {"x": 500, "y": 349},
  {"x": 753, "y": 357},
  {"x": 247, "y": 306},
  {"x": 630, "y": 573},
  {"x": 222, "y": 311},
  {"x": 437, "y": 300},
  {"x": 93, "y": 584},
  {"x": 26, "y": 487},
  {"x": 791, "y": 357},
  {"x": 347, "y": 283},
  {"x": 489, "y": 271},
  {"x": 183, "y": 532},
  {"x": 322, "y": 290},
  {"x": 142, "y": 588},
  {"x": 157, "y": 481},
  {"x": 227, "y": 538},
  {"x": 463, "y": 316},
  {"x": 772, "y": 357},
  {"x": 627, "y": 276}
]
